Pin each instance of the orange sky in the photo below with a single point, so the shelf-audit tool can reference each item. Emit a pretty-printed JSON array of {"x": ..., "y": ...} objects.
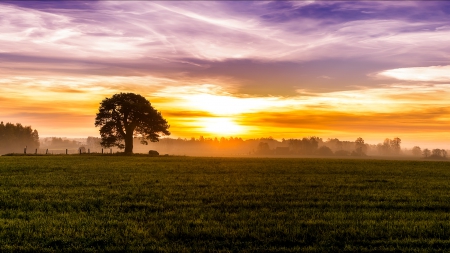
[{"x": 250, "y": 70}]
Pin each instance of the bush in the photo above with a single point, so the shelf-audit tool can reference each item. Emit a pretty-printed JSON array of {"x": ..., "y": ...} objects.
[
  {"x": 324, "y": 151},
  {"x": 153, "y": 153}
]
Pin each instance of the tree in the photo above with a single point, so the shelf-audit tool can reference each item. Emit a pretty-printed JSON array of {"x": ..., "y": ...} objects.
[
  {"x": 426, "y": 152},
  {"x": 125, "y": 116},
  {"x": 263, "y": 148},
  {"x": 305, "y": 146},
  {"x": 416, "y": 151},
  {"x": 390, "y": 147},
  {"x": 395, "y": 145},
  {"x": 15, "y": 137},
  {"x": 360, "y": 147},
  {"x": 334, "y": 144},
  {"x": 60, "y": 143},
  {"x": 324, "y": 151},
  {"x": 93, "y": 142},
  {"x": 385, "y": 148},
  {"x": 436, "y": 152}
]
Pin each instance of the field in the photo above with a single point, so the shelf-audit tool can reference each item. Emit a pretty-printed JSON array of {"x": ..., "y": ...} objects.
[{"x": 184, "y": 204}]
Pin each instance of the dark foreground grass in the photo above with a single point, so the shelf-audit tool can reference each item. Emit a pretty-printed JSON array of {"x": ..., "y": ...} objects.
[{"x": 182, "y": 204}]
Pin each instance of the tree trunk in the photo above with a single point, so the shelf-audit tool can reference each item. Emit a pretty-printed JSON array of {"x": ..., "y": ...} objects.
[{"x": 129, "y": 144}]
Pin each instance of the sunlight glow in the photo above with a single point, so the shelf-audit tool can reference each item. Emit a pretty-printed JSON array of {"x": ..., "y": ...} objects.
[
  {"x": 221, "y": 126},
  {"x": 215, "y": 100},
  {"x": 225, "y": 105}
]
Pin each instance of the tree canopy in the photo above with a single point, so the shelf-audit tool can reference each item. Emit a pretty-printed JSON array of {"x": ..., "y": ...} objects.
[
  {"x": 125, "y": 116},
  {"x": 15, "y": 137}
]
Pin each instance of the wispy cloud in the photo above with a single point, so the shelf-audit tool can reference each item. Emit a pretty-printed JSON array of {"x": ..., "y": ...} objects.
[{"x": 207, "y": 30}]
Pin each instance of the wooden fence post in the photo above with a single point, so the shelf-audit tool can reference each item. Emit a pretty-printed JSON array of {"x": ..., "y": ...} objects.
[
  {"x": 35, "y": 152},
  {"x": 102, "y": 151},
  {"x": 66, "y": 151},
  {"x": 25, "y": 150},
  {"x": 46, "y": 151}
]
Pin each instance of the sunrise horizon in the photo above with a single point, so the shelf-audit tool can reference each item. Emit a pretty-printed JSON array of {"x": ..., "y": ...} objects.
[{"x": 281, "y": 69}]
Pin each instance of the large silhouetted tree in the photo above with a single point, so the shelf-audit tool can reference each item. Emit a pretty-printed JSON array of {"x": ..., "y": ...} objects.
[{"x": 125, "y": 116}]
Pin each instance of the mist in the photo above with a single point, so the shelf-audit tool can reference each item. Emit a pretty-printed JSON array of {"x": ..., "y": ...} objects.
[{"x": 257, "y": 147}]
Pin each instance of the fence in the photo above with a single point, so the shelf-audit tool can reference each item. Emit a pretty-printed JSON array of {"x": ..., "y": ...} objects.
[{"x": 68, "y": 151}]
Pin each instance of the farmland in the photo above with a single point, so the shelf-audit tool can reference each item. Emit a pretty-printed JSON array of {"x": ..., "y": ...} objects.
[{"x": 89, "y": 203}]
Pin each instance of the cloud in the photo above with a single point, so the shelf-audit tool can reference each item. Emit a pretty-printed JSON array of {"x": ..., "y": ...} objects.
[
  {"x": 427, "y": 120},
  {"x": 206, "y": 40},
  {"x": 172, "y": 30},
  {"x": 431, "y": 74},
  {"x": 258, "y": 48},
  {"x": 189, "y": 114}
]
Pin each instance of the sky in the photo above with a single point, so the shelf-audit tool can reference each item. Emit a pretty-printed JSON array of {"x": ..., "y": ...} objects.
[{"x": 285, "y": 69}]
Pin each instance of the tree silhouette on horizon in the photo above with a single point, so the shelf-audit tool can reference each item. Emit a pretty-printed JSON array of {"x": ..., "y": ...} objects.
[{"x": 125, "y": 116}]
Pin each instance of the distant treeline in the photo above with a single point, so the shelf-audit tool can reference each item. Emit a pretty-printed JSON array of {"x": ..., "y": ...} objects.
[
  {"x": 15, "y": 137},
  {"x": 60, "y": 143},
  {"x": 317, "y": 146},
  {"x": 268, "y": 146}
]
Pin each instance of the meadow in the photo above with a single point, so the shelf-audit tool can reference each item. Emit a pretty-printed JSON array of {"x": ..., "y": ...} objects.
[{"x": 89, "y": 203}]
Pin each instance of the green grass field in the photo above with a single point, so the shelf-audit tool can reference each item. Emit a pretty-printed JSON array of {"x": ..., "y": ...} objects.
[{"x": 186, "y": 204}]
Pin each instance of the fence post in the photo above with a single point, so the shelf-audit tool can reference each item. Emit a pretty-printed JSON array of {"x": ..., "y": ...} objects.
[
  {"x": 25, "y": 151},
  {"x": 35, "y": 152},
  {"x": 89, "y": 150},
  {"x": 46, "y": 151},
  {"x": 102, "y": 151},
  {"x": 110, "y": 150},
  {"x": 80, "y": 150},
  {"x": 66, "y": 151}
]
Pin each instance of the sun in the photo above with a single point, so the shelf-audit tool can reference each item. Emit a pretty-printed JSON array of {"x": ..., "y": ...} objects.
[{"x": 222, "y": 126}]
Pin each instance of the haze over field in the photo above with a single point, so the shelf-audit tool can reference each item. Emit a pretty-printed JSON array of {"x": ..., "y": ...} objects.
[{"x": 375, "y": 69}]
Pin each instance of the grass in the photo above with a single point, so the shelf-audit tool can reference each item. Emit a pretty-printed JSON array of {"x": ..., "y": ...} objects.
[{"x": 185, "y": 204}]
